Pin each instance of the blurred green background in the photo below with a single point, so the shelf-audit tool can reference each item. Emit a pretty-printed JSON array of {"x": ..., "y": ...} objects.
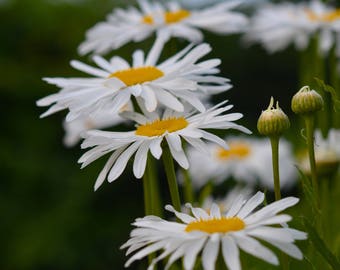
[{"x": 50, "y": 216}]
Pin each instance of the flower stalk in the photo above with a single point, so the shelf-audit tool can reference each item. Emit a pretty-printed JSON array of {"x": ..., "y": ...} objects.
[
  {"x": 274, "y": 141},
  {"x": 309, "y": 121},
  {"x": 171, "y": 177},
  {"x": 272, "y": 123}
]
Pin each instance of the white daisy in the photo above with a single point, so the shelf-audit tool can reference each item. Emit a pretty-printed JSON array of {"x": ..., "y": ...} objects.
[
  {"x": 170, "y": 20},
  {"x": 247, "y": 160},
  {"x": 327, "y": 153},
  {"x": 278, "y": 26},
  {"x": 113, "y": 84},
  {"x": 150, "y": 133},
  {"x": 206, "y": 231}
]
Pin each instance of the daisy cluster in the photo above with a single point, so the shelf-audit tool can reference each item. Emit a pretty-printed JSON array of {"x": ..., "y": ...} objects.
[{"x": 163, "y": 101}]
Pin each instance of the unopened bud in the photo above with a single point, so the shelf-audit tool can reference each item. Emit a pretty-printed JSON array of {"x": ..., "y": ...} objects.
[
  {"x": 306, "y": 101},
  {"x": 273, "y": 121}
]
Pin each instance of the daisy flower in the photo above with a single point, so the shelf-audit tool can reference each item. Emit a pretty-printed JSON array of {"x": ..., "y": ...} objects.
[
  {"x": 114, "y": 82},
  {"x": 151, "y": 130},
  {"x": 169, "y": 20},
  {"x": 278, "y": 26},
  {"x": 239, "y": 228},
  {"x": 327, "y": 153},
  {"x": 246, "y": 160}
]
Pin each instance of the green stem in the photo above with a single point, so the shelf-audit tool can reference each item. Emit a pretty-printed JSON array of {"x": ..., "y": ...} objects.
[
  {"x": 152, "y": 199},
  {"x": 309, "y": 120},
  {"x": 171, "y": 176},
  {"x": 274, "y": 141},
  {"x": 147, "y": 195},
  {"x": 154, "y": 187},
  {"x": 188, "y": 191}
]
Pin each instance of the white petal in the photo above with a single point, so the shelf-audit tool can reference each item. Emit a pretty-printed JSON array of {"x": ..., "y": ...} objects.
[
  {"x": 155, "y": 51},
  {"x": 199, "y": 213},
  {"x": 253, "y": 247},
  {"x": 272, "y": 234},
  {"x": 149, "y": 98},
  {"x": 236, "y": 206},
  {"x": 168, "y": 100},
  {"x": 102, "y": 175},
  {"x": 138, "y": 58},
  {"x": 212, "y": 137},
  {"x": 272, "y": 209},
  {"x": 251, "y": 204},
  {"x": 119, "y": 63},
  {"x": 122, "y": 161},
  {"x": 179, "y": 156},
  {"x": 215, "y": 211},
  {"x": 88, "y": 69},
  {"x": 231, "y": 254},
  {"x": 191, "y": 254},
  {"x": 114, "y": 84},
  {"x": 155, "y": 147},
  {"x": 101, "y": 62},
  {"x": 145, "y": 251},
  {"x": 141, "y": 159},
  {"x": 175, "y": 141},
  {"x": 209, "y": 254},
  {"x": 182, "y": 216},
  {"x": 289, "y": 249}
]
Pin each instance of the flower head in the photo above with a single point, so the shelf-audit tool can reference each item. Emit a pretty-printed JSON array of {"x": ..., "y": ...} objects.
[
  {"x": 276, "y": 26},
  {"x": 306, "y": 101},
  {"x": 170, "y": 20},
  {"x": 150, "y": 132},
  {"x": 246, "y": 160},
  {"x": 170, "y": 83},
  {"x": 205, "y": 231},
  {"x": 273, "y": 121}
]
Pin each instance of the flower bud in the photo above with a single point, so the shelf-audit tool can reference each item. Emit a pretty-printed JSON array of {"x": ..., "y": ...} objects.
[
  {"x": 273, "y": 121},
  {"x": 306, "y": 101}
]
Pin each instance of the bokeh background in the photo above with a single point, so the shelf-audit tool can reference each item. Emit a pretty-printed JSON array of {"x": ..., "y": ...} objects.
[{"x": 50, "y": 216}]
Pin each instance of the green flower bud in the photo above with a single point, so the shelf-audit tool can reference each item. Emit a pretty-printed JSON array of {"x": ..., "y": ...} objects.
[
  {"x": 306, "y": 101},
  {"x": 273, "y": 121}
]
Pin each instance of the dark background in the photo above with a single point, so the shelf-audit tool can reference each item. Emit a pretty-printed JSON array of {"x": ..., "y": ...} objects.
[{"x": 50, "y": 216}]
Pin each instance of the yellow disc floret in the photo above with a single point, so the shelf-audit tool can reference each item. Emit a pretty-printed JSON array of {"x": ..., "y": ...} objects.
[
  {"x": 138, "y": 75},
  {"x": 169, "y": 17},
  {"x": 330, "y": 16},
  {"x": 160, "y": 127},
  {"x": 237, "y": 150},
  {"x": 216, "y": 225}
]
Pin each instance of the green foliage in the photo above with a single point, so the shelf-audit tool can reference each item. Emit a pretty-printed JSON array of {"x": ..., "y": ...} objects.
[
  {"x": 320, "y": 246},
  {"x": 329, "y": 89}
]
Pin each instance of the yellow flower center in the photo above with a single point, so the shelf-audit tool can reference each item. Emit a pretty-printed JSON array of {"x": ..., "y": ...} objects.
[
  {"x": 159, "y": 127},
  {"x": 237, "y": 150},
  {"x": 169, "y": 17},
  {"x": 326, "y": 17},
  {"x": 217, "y": 225},
  {"x": 138, "y": 75}
]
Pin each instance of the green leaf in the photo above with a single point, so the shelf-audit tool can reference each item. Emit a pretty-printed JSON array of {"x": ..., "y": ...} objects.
[
  {"x": 320, "y": 246},
  {"x": 327, "y": 88}
]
